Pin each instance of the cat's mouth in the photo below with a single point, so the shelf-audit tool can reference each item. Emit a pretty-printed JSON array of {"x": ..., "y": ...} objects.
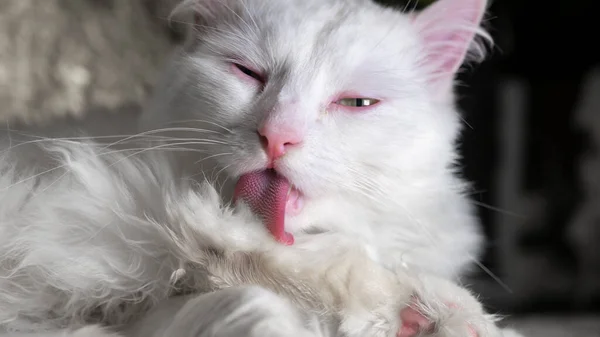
[{"x": 271, "y": 197}]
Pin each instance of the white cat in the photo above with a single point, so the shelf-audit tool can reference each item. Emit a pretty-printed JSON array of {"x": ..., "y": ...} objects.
[
  {"x": 332, "y": 121},
  {"x": 360, "y": 100}
]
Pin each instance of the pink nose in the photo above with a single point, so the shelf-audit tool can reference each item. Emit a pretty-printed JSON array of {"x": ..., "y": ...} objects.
[{"x": 276, "y": 141}]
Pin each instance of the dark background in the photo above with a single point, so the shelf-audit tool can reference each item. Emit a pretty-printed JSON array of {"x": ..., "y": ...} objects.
[{"x": 533, "y": 113}]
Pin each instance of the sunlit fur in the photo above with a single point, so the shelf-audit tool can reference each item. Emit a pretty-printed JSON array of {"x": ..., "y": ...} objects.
[{"x": 96, "y": 235}]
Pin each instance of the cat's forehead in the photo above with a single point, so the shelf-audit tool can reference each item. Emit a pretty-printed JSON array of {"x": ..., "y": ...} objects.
[
  {"x": 340, "y": 26},
  {"x": 307, "y": 31}
]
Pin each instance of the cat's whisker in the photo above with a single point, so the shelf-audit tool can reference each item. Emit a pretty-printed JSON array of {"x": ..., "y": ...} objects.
[
  {"x": 176, "y": 129},
  {"x": 202, "y": 121},
  {"x": 98, "y": 155},
  {"x": 156, "y": 131},
  {"x": 213, "y": 156},
  {"x": 203, "y": 142},
  {"x": 192, "y": 140},
  {"x": 23, "y": 180},
  {"x": 491, "y": 274},
  {"x": 497, "y": 209},
  {"x": 365, "y": 189},
  {"x": 366, "y": 182},
  {"x": 355, "y": 186},
  {"x": 213, "y": 176},
  {"x": 466, "y": 123},
  {"x": 124, "y": 138},
  {"x": 163, "y": 147},
  {"x": 410, "y": 3},
  {"x": 223, "y": 184},
  {"x": 222, "y": 170},
  {"x": 191, "y": 178},
  {"x": 206, "y": 158},
  {"x": 41, "y": 139}
]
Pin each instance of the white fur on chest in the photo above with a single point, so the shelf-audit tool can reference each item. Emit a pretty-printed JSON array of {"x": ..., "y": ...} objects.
[{"x": 440, "y": 237}]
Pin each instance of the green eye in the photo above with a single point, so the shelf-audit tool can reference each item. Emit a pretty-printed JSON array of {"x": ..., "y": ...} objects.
[{"x": 357, "y": 102}]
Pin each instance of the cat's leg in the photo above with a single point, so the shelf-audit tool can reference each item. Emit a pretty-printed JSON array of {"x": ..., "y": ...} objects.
[
  {"x": 373, "y": 301},
  {"x": 238, "y": 311},
  {"x": 331, "y": 273}
]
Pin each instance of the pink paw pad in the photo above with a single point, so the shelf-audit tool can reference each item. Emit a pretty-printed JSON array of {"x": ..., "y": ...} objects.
[{"x": 415, "y": 323}]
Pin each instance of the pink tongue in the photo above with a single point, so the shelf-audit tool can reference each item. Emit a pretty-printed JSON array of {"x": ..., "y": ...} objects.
[{"x": 266, "y": 193}]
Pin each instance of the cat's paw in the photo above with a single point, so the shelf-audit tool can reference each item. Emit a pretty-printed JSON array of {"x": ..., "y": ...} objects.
[
  {"x": 441, "y": 308},
  {"x": 414, "y": 322}
]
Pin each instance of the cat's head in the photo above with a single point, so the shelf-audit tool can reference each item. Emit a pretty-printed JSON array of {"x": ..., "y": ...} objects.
[{"x": 347, "y": 100}]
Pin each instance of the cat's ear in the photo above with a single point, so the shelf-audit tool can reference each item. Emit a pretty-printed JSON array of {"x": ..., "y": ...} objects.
[
  {"x": 450, "y": 30},
  {"x": 203, "y": 11},
  {"x": 206, "y": 10}
]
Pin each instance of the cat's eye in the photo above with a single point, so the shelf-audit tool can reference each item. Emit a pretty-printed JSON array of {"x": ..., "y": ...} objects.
[
  {"x": 357, "y": 102},
  {"x": 249, "y": 72}
]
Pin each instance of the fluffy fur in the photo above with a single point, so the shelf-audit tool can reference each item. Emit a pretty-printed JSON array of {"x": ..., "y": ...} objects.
[
  {"x": 97, "y": 235},
  {"x": 385, "y": 174},
  {"x": 105, "y": 236}
]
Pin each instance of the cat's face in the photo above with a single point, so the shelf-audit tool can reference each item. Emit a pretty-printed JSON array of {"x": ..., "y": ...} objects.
[
  {"x": 273, "y": 69},
  {"x": 344, "y": 98}
]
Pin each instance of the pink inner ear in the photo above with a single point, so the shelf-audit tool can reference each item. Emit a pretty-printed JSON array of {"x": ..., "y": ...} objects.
[{"x": 448, "y": 28}]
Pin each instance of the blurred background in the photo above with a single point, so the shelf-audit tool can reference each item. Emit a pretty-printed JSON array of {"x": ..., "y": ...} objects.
[{"x": 531, "y": 140}]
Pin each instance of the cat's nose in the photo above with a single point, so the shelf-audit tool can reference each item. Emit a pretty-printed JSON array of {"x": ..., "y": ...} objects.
[{"x": 277, "y": 140}]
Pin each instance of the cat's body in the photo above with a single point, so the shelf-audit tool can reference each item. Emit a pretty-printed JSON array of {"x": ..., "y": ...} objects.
[
  {"x": 285, "y": 86},
  {"x": 106, "y": 235}
]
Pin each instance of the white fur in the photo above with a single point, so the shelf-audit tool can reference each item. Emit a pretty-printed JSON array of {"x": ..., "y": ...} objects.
[
  {"x": 386, "y": 175},
  {"x": 101, "y": 236},
  {"x": 90, "y": 233}
]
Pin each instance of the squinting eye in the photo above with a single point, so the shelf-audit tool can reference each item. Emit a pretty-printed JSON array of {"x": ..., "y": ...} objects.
[
  {"x": 249, "y": 72},
  {"x": 357, "y": 102}
]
